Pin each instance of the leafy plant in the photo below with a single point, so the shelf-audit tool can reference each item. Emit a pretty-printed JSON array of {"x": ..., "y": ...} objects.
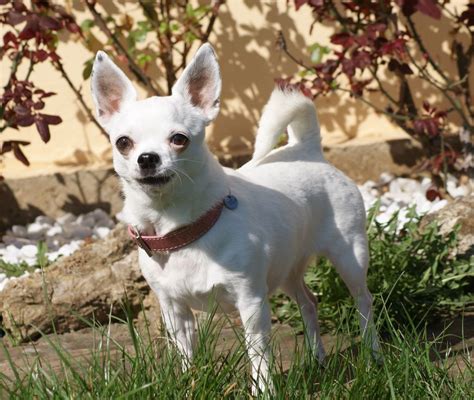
[
  {"x": 31, "y": 39},
  {"x": 377, "y": 45},
  {"x": 32, "y": 36},
  {"x": 412, "y": 274}
]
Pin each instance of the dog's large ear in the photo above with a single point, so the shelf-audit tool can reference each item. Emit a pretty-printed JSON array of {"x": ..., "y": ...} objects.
[
  {"x": 200, "y": 83},
  {"x": 111, "y": 89}
]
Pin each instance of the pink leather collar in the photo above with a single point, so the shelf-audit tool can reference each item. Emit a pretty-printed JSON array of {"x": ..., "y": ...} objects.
[{"x": 180, "y": 237}]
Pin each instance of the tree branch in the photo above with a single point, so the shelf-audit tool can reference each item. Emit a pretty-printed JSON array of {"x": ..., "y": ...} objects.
[
  {"x": 137, "y": 71},
  {"x": 59, "y": 66},
  {"x": 424, "y": 51},
  {"x": 210, "y": 26}
]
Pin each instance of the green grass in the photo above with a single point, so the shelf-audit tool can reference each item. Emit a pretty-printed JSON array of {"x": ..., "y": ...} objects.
[
  {"x": 414, "y": 367},
  {"x": 415, "y": 281},
  {"x": 412, "y": 270}
]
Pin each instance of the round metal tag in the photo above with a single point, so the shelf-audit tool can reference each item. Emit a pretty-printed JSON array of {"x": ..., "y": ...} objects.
[{"x": 231, "y": 202}]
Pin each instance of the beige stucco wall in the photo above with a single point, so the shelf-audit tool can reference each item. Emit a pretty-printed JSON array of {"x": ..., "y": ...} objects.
[{"x": 245, "y": 44}]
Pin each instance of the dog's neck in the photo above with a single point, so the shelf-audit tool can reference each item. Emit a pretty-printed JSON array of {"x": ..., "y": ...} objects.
[{"x": 179, "y": 205}]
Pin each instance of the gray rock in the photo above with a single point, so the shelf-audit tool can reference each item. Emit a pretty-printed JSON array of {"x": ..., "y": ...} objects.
[
  {"x": 459, "y": 212},
  {"x": 91, "y": 283}
]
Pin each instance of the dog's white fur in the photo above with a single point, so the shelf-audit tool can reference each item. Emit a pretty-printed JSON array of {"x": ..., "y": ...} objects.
[{"x": 293, "y": 205}]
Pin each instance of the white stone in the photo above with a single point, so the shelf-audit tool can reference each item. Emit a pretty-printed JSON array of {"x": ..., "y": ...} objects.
[
  {"x": 99, "y": 214},
  {"x": 36, "y": 230},
  {"x": 74, "y": 231},
  {"x": 3, "y": 283},
  {"x": 458, "y": 191},
  {"x": 19, "y": 230},
  {"x": 44, "y": 220},
  {"x": 438, "y": 205},
  {"x": 101, "y": 231},
  {"x": 385, "y": 177},
  {"x": 86, "y": 220},
  {"x": 29, "y": 251},
  {"x": 66, "y": 218},
  {"x": 70, "y": 248}
]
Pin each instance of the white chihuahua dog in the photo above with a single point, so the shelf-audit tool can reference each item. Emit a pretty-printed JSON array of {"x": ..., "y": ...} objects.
[{"x": 205, "y": 230}]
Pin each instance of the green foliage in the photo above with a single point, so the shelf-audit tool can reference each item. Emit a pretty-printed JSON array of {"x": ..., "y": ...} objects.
[
  {"x": 139, "y": 34},
  {"x": 317, "y": 52},
  {"x": 412, "y": 274},
  {"x": 146, "y": 368}
]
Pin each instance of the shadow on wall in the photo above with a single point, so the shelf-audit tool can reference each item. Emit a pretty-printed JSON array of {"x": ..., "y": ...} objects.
[
  {"x": 53, "y": 195},
  {"x": 250, "y": 62},
  {"x": 11, "y": 212},
  {"x": 249, "y": 77}
]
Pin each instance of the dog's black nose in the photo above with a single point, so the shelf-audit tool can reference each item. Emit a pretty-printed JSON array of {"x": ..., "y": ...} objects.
[{"x": 148, "y": 160}]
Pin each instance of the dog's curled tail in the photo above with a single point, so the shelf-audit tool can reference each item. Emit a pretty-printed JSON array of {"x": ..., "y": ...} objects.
[{"x": 286, "y": 108}]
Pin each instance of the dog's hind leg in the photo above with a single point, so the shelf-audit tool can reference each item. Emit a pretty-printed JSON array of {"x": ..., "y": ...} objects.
[
  {"x": 308, "y": 304},
  {"x": 351, "y": 261}
]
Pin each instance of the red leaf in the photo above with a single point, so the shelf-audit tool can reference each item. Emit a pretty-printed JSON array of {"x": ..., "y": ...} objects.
[
  {"x": 440, "y": 114},
  {"x": 433, "y": 193},
  {"x": 39, "y": 105},
  {"x": 19, "y": 154},
  {"x": 47, "y": 94},
  {"x": 348, "y": 67},
  {"x": 361, "y": 59},
  {"x": 51, "y": 119},
  {"x": 18, "y": 5},
  {"x": 405, "y": 69},
  {"x": 73, "y": 27},
  {"x": 344, "y": 39},
  {"x": 30, "y": 29},
  {"x": 299, "y": 3},
  {"x": 43, "y": 129},
  {"x": 46, "y": 22},
  {"x": 467, "y": 16},
  {"x": 429, "y": 7},
  {"x": 432, "y": 127},
  {"x": 6, "y": 147},
  {"x": 53, "y": 56},
  {"x": 15, "y": 18},
  {"x": 25, "y": 120},
  {"x": 21, "y": 110},
  {"x": 9, "y": 37},
  {"x": 408, "y": 6},
  {"x": 426, "y": 106},
  {"x": 41, "y": 55}
]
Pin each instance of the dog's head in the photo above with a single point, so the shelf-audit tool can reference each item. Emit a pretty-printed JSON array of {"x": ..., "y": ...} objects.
[{"x": 158, "y": 140}]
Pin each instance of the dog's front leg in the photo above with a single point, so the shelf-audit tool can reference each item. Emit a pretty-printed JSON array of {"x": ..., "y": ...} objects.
[
  {"x": 256, "y": 318},
  {"x": 179, "y": 323}
]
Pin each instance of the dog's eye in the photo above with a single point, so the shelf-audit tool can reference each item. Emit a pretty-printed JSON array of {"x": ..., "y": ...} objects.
[
  {"x": 179, "y": 140},
  {"x": 124, "y": 144}
]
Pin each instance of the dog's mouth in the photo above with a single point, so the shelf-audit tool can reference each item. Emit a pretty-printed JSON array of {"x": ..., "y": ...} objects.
[{"x": 157, "y": 180}]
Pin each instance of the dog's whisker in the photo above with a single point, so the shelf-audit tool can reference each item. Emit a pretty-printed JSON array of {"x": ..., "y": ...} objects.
[
  {"x": 179, "y": 171},
  {"x": 189, "y": 160}
]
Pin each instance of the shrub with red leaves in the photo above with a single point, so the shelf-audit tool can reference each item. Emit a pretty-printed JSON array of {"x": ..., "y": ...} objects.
[
  {"x": 30, "y": 38},
  {"x": 378, "y": 42}
]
